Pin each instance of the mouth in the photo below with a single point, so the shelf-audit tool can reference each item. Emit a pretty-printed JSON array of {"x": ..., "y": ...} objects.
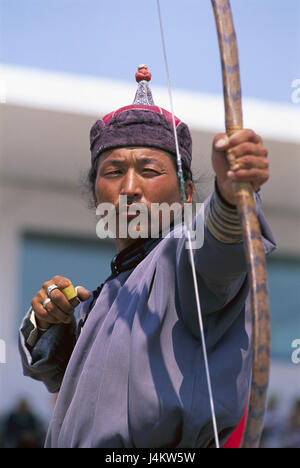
[{"x": 131, "y": 211}]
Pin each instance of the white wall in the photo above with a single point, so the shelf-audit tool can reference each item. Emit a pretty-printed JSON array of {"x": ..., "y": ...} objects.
[{"x": 28, "y": 209}]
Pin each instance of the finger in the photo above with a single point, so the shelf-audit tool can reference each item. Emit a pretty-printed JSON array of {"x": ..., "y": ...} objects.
[
  {"x": 221, "y": 142},
  {"x": 56, "y": 314},
  {"x": 82, "y": 293},
  {"x": 70, "y": 294},
  {"x": 243, "y": 136},
  {"x": 246, "y": 148},
  {"x": 42, "y": 313},
  {"x": 256, "y": 176},
  {"x": 61, "y": 302},
  {"x": 60, "y": 281},
  {"x": 249, "y": 162},
  {"x": 57, "y": 296},
  {"x": 54, "y": 311}
]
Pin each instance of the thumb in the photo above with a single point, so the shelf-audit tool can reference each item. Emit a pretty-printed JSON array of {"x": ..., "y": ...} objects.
[
  {"x": 221, "y": 142},
  {"x": 82, "y": 293}
]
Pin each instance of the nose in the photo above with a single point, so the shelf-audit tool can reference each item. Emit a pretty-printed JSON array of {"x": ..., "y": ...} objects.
[{"x": 131, "y": 186}]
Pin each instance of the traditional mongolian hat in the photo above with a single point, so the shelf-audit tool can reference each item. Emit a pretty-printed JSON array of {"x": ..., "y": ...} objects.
[{"x": 141, "y": 124}]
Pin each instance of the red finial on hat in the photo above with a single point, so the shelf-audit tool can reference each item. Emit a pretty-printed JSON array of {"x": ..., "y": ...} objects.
[
  {"x": 143, "y": 96},
  {"x": 143, "y": 74}
]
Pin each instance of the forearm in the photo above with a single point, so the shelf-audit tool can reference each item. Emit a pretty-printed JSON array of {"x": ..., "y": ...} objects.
[
  {"x": 222, "y": 220},
  {"x": 221, "y": 260}
]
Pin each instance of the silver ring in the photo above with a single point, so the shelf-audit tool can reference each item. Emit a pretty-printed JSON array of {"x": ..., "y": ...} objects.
[
  {"x": 46, "y": 301},
  {"x": 50, "y": 289}
]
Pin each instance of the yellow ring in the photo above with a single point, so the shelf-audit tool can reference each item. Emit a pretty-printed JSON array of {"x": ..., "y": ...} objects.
[{"x": 69, "y": 292}]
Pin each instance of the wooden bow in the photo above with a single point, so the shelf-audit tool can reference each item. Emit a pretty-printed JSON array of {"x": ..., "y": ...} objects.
[{"x": 255, "y": 257}]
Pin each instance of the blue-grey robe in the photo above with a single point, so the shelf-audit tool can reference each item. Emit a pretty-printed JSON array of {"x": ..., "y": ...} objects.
[{"x": 135, "y": 376}]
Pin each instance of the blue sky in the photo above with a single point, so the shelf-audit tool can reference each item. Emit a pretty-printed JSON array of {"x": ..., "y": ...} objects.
[{"x": 110, "y": 38}]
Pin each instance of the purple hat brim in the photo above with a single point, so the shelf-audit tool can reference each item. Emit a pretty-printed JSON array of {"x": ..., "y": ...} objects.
[{"x": 140, "y": 127}]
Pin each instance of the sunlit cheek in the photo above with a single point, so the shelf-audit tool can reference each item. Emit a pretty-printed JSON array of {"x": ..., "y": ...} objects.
[
  {"x": 105, "y": 192},
  {"x": 168, "y": 192}
]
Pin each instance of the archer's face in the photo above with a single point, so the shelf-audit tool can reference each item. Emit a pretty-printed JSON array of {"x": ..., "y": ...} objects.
[{"x": 144, "y": 175}]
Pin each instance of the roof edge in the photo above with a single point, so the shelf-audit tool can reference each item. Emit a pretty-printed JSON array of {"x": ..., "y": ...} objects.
[{"x": 81, "y": 94}]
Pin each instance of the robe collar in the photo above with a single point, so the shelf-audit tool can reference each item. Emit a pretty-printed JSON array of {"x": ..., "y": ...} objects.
[{"x": 131, "y": 256}]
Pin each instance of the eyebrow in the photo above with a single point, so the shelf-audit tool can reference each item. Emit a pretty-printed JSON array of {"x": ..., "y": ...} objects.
[
  {"x": 149, "y": 160},
  {"x": 143, "y": 159},
  {"x": 114, "y": 162}
]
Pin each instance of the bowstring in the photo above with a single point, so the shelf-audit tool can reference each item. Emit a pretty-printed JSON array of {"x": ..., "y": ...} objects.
[{"x": 188, "y": 234}]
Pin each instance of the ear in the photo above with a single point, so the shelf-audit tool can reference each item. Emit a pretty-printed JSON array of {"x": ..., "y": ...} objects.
[{"x": 189, "y": 191}]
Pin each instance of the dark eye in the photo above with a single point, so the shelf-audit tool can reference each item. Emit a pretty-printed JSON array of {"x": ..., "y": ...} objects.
[
  {"x": 150, "y": 171},
  {"x": 116, "y": 172}
]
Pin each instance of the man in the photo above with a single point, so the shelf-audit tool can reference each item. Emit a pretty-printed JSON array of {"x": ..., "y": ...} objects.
[{"x": 131, "y": 373}]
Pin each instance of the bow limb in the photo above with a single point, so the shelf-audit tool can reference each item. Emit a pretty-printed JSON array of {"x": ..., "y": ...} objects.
[{"x": 255, "y": 257}]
